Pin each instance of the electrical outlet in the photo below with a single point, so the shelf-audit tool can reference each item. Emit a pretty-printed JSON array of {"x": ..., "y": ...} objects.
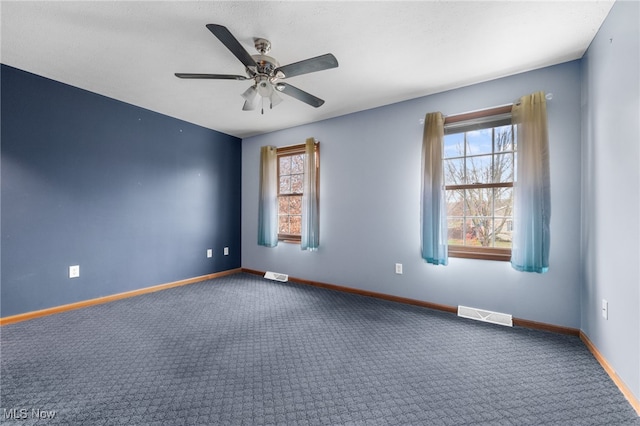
[
  {"x": 605, "y": 309},
  {"x": 226, "y": 251},
  {"x": 209, "y": 252},
  {"x": 399, "y": 268},
  {"x": 74, "y": 271}
]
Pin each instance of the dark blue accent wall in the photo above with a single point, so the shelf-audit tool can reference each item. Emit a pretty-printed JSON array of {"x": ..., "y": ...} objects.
[{"x": 132, "y": 196}]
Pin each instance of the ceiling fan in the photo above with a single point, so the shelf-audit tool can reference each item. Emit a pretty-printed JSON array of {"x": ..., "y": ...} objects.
[{"x": 266, "y": 72}]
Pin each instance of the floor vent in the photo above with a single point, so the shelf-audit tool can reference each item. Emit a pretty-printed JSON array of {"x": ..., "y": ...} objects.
[
  {"x": 276, "y": 276},
  {"x": 486, "y": 316}
]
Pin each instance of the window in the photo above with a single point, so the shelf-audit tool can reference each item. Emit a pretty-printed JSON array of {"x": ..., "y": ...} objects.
[
  {"x": 479, "y": 157},
  {"x": 290, "y": 191}
]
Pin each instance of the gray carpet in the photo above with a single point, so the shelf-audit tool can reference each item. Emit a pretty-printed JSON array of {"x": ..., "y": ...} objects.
[{"x": 241, "y": 350}]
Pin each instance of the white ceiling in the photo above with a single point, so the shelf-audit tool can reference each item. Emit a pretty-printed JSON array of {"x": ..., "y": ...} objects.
[{"x": 388, "y": 51}]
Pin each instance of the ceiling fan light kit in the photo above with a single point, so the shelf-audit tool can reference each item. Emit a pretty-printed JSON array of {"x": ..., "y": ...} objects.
[{"x": 266, "y": 72}]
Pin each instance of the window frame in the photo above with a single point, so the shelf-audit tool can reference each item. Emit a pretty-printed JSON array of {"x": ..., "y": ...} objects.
[
  {"x": 287, "y": 151},
  {"x": 499, "y": 117}
]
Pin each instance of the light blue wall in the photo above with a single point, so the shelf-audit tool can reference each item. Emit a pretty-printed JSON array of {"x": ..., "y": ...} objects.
[
  {"x": 611, "y": 188},
  {"x": 370, "y": 205}
]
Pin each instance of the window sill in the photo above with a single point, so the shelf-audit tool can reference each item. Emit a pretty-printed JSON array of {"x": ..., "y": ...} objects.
[
  {"x": 482, "y": 253},
  {"x": 289, "y": 239}
]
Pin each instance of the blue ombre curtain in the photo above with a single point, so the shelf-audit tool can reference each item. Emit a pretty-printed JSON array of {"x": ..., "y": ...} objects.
[
  {"x": 268, "y": 198},
  {"x": 310, "y": 238},
  {"x": 532, "y": 198},
  {"x": 433, "y": 207}
]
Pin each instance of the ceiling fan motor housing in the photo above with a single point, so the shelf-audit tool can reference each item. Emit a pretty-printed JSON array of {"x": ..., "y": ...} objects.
[{"x": 266, "y": 64}]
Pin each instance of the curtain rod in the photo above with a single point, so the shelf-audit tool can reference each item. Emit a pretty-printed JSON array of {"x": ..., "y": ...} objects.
[{"x": 548, "y": 97}]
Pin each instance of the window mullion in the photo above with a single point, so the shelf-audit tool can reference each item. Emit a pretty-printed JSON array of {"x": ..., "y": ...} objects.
[
  {"x": 492, "y": 190},
  {"x": 464, "y": 191},
  {"x": 481, "y": 185}
]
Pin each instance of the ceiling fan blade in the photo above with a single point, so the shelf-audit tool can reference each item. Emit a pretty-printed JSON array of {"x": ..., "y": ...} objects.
[
  {"x": 212, "y": 76},
  {"x": 319, "y": 63},
  {"x": 225, "y": 36},
  {"x": 300, "y": 95}
]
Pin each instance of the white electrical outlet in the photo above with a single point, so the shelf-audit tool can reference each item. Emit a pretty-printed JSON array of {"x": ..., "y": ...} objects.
[
  {"x": 74, "y": 271},
  {"x": 226, "y": 251},
  {"x": 399, "y": 268},
  {"x": 209, "y": 252},
  {"x": 605, "y": 309}
]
